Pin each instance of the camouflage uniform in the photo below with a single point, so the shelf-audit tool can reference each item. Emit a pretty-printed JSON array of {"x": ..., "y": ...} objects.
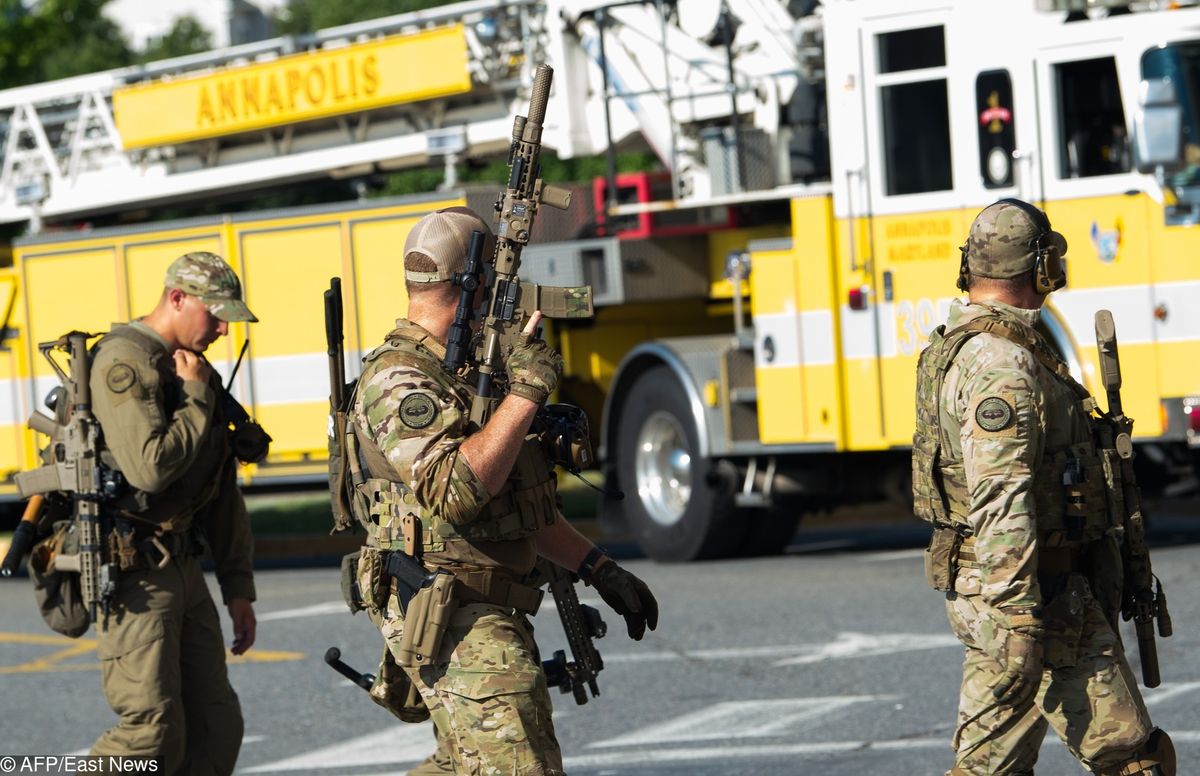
[
  {"x": 1031, "y": 576},
  {"x": 485, "y": 688},
  {"x": 161, "y": 651}
]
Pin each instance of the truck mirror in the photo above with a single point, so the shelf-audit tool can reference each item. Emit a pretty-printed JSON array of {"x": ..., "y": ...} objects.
[{"x": 1158, "y": 127}]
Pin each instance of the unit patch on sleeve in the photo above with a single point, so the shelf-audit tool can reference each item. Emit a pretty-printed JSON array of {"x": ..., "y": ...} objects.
[
  {"x": 120, "y": 378},
  {"x": 417, "y": 410},
  {"x": 994, "y": 414}
]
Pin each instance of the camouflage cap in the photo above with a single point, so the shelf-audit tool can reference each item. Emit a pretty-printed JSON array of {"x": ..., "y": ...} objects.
[
  {"x": 207, "y": 276},
  {"x": 444, "y": 236},
  {"x": 1004, "y": 237}
]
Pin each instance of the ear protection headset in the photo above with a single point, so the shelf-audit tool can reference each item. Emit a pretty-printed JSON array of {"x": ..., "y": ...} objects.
[{"x": 1049, "y": 272}]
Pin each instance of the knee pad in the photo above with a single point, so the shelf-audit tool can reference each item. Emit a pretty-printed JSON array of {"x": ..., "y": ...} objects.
[{"x": 1155, "y": 758}]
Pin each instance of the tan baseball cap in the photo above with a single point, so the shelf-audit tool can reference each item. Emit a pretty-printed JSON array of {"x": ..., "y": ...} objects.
[
  {"x": 444, "y": 237},
  {"x": 1004, "y": 239},
  {"x": 207, "y": 276}
]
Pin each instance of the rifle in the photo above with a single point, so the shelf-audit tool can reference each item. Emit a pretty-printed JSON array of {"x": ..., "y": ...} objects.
[
  {"x": 1143, "y": 600},
  {"x": 343, "y": 515},
  {"x": 508, "y": 301},
  {"x": 251, "y": 442},
  {"x": 582, "y": 624},
  {"x": 75, "y": 469}
]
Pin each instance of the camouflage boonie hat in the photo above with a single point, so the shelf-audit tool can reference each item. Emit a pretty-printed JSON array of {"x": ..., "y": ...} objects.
[
  {"x": 1003, "y": 240},
  {"x": 207, "y": 276},
  {"x": 444, "y": 236}
]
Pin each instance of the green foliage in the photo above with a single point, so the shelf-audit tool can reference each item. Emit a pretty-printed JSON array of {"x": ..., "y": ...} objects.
[
  {"x": 303, "y": 16},
  {"x": 57, "y": 39},
  {"x": 186, "y": 36},
  {"x": 554, "y": 170}
]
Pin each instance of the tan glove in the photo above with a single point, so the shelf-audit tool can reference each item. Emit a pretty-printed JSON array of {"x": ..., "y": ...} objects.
[
  {"x": 628, "y": 596},
  {"x": 1023, "y": 668},
  {"x": 534, "y": 369}
]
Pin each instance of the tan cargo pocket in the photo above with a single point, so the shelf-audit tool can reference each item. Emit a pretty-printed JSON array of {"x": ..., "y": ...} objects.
[
  {"x": 1064, "y": 619},
  {"x": 941, "y": 559},
  {"x": 133, "y": 632}
]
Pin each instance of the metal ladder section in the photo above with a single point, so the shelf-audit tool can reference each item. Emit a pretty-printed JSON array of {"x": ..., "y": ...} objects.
[{"x": 62, "y": 155}]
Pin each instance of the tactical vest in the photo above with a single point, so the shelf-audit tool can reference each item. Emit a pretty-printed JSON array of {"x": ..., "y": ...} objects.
[
  {"x": 171, "y": 508},
  {"x": 1074, "y": 487},
  {"x": 524, "y": 505}
]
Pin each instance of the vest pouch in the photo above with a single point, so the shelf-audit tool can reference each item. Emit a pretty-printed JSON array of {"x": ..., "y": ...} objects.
[
  {"x": 373, "y": 588},
  {"x": 1106, "y": 573},
  {"x": 351, "y": 592},
  {"x": 941, "y": 559},
  {"x": 426, "y": 621},
  {"x": 1064, "y": 617},
  {"x": 395, "y": 691},
  {"x": 59, "y": 592},
  {"x": 927, "y": 497}
]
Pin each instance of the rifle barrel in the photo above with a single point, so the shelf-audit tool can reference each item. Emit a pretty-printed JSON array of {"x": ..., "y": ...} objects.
[{"x": 1148, "y": 652}]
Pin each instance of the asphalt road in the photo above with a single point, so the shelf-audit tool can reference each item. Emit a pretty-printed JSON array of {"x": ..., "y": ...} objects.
[{"x": 834, "y": 659}]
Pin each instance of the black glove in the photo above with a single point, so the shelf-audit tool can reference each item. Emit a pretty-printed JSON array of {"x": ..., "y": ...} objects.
[{"x": 628, "y": 596}]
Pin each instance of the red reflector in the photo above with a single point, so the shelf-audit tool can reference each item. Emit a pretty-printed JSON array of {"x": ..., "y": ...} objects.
[
  {"x": 857, "y": 299},
  {"x": 1193, "y": 415}
]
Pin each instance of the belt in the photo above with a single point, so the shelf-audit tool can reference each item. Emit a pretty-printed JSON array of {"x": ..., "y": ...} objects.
[
  {"x": 157, "y": 551},
  {"x": 492, "y": 588}
]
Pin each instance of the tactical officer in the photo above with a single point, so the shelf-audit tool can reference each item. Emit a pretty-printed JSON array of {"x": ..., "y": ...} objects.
[
  {"x": 160, "y": 645},
  {"x": 485, "y": 507},
  {"x": 1031, "y": 576}
]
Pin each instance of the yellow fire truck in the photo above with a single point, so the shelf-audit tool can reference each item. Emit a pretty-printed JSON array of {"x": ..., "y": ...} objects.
[{"x": 761, "y": 301}]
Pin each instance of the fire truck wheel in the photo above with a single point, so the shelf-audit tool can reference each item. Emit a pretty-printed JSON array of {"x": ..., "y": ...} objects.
[{"x": 679, "y": 505}]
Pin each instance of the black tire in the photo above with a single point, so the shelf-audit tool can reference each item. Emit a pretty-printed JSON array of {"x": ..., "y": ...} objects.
[
  {"x": 679, "y": 506},
  {"x": 770, "y": 530}
]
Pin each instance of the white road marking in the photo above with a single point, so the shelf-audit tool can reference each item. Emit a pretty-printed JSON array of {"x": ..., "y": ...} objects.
[
  {"x": 316, "y": 610},
  {"x": 739, "y": 719},
  {"x": 846, "y": 645},
  {"x": 868, "y": 645},
  {"x": 892, "y": 555},
  {"x": 407, "y": 748},
  {"x": 399, "y": 744},
  {"x": 1168, "y": 691}
]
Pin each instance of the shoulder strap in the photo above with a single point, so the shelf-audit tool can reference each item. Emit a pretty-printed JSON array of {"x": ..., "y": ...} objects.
[
  {"x": 134, "y": 335},
  {"x": 1029, "y": 339}
]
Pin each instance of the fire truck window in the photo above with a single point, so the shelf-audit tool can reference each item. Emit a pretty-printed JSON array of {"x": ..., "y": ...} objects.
[
  {"x": 916, "y": 137},
  {"x": 1093, "y": 139},
  {"x": 912, "y": 49},
  {"x": 997, "y": 134}
]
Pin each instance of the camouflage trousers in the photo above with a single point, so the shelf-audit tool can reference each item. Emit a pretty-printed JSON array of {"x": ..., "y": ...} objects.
[
  {"x": 1088, "y": 693},
  {"x": 162, "y": 663},
  {"x": 486, "y": 693}
]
